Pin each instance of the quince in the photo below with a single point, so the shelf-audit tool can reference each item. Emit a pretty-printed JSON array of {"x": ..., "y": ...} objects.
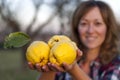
[
  {"x": 56, "y": 38},
  {"x": 63, "y": 51},
  {"x": 38, "y": 52}
]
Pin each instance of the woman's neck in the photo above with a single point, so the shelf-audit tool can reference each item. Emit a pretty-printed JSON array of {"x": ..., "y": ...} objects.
[{"x": 91, "y": 55}]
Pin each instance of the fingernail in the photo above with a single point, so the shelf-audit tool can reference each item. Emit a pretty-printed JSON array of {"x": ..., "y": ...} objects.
[
  {"x": 43, "y": 67},
  {"x": 37, "y": 65},
  {"x": 52, "y": 64},
  {"x": 48, "y": 63},
  {"x": 81, "y": 52},
  {"x": 29, "y": 62}
]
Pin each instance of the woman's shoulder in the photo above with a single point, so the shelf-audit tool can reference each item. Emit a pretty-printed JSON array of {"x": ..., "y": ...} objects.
[
  {"x": 114, "y": 64},
  {"x": 116, "y": 60},
  {"x": 112, "y": 70}
]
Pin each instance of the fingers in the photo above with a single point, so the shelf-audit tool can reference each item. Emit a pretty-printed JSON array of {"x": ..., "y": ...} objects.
[
  {"x": 79, "y": 54},
  {"x": 42, "y": 68},
  {"x": 55, "y": 67},
  {"x": 31, "y": 66},
  {"x": 45, "y": 68},
  {"x": 50, "y": 67},
  {"x": 38, "y": 67},
  {"x": 68, "y": 67}
]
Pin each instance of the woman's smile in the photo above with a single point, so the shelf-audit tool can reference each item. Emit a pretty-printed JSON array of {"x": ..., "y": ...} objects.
[{"x": 91, "y": 38}]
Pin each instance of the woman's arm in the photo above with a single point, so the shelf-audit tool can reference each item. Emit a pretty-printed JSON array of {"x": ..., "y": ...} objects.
[
  {"x": 78, "y": 74},
  {"x": 47, "y": 76},
  {"x": 73, "y": 69}
]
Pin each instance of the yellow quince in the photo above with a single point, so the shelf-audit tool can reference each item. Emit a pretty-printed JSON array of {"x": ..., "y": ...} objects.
[
  {"x": 63, "y": 51},
  {"x": 56, "y": 38},
  {"x": 38, "y": 52}
]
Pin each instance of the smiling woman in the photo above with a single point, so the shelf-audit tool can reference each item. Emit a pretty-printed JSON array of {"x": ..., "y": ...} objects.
[{"x": 96, "y": 33}]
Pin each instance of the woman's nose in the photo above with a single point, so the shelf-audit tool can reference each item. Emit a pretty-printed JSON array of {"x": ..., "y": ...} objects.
[{"x": 90, "y": 28}]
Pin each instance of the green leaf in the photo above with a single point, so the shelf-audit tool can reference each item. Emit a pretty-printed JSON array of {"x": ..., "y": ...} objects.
[{"x": 16, "y": 40}]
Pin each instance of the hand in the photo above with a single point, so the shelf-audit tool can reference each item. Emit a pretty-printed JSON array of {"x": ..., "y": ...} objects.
[
  {"x": 38, "y": 67},
  {"x": 65, "y": 67},
  {"x": 54, "y": 67},
  {"x": 79, "y": 54}
]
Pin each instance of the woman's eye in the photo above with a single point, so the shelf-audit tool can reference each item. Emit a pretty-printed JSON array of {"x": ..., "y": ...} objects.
[
  {"x": 83, "y": 24},
  {"x": 98, "y": 23}
]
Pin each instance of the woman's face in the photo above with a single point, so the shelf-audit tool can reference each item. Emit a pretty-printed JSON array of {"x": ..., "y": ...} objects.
[{"x": 92, "y": 29}]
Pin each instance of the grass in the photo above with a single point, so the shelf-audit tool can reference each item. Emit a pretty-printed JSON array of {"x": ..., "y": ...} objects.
[{"x": 10, "y": 66}]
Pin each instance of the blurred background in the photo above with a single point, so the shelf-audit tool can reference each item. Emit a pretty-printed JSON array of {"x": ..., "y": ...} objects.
[{"x": 40, "y": 19}]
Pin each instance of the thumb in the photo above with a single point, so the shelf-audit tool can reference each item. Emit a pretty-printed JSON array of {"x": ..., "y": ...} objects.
[{"x": 79, "y": 54}]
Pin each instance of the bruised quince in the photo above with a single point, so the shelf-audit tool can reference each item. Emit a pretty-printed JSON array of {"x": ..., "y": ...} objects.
[
  {"x": 63, "y": 51},
  {"x": 38, "y": 52}
]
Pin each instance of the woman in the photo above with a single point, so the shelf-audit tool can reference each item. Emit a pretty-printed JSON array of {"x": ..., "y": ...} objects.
[{"x": 96, "y": 33}]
